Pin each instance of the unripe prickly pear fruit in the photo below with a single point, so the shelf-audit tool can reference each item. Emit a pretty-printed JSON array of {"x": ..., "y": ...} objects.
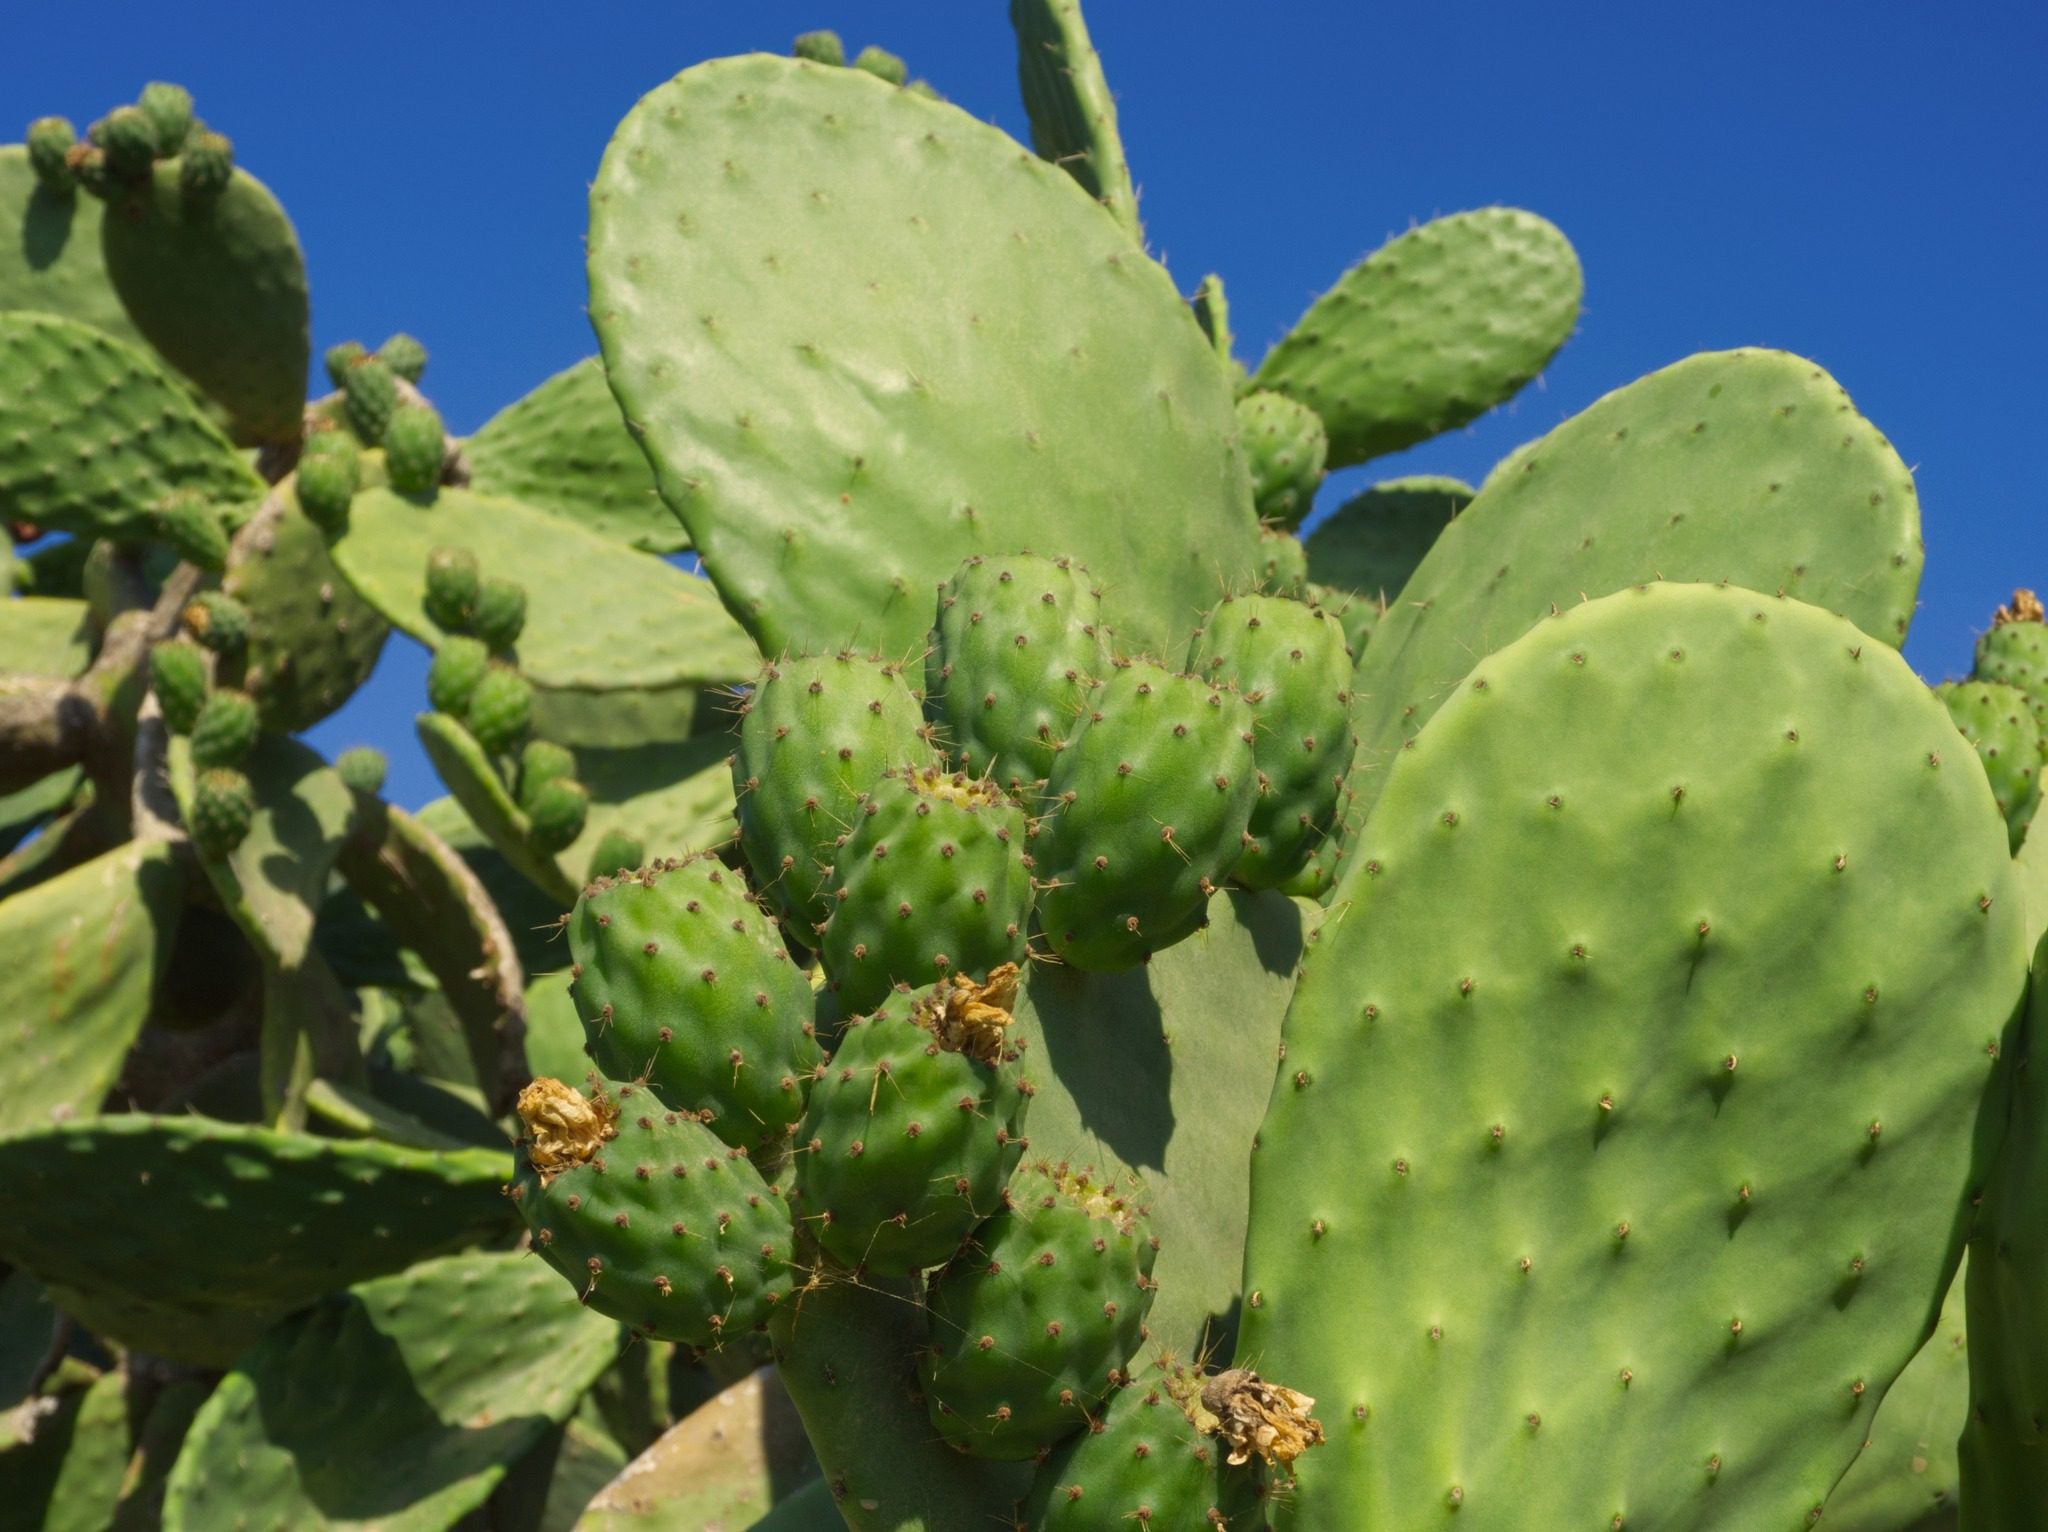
[
  {"x": 882, "y": 64},
  {"x": 1283, "y": 565},
  {"x": 500, "y": 709},
  {"x": 1997, "y": 720},
  {"x": 50, "y": 141},
  {"x": 556, "y": 813},
  {"x": 458, "y": 667},
  {"x": 128, "y": 139},
  {"x": 617, "y": 853},
  {"x": 223, "y": 808},
  {"x": 369, "y": 397},
  {"x": 414, "y": 445},
  {"x": 1033, "y": 1322},
  {"x": 327, "y": 480},
  {"x": 914, "y": 1128},
  {"x": 655, "y": 1222},
  {"x": 500, "y": 614},
  {"x": 363, "y": 768},
  {"x": 206, "y": 166},
  {"x": 194, "y": 528},
  {"x": 225, "y": 731},
  {"x": 177, "y": 674},
  {"x": 820, "y": 48},
  {"x": 340, "y": 358},
  {"x": 218, "y": 621},
  {"x": 452, "y": 586},
  {"x": 682, "y": 980},
  {"x": 169, "y": 110},
  {"x": 1285, "y": 449},
  {"x": 405, "y": 356},
  {"x": 541, "y": 762},
  {"x": 87, "y": 163}
]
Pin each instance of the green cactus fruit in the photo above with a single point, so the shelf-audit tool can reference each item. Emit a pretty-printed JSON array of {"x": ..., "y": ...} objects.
[
  {"x": 457, "y": 669},
  {"x": 177, "y": 674},
  {"x": 2015, "y": 651},
  {"x": 405, "y": 356},
  {"x": 327, "y": 480},
  {"x": 453, "y": 587},
  {"x": 169, "y": 110},
  {"x": 414, "y": 446},
  {"x": 223, "y": 808},
  {"x": 934, "y": 879},
  {"x": 914, "y": 1128},
  {"x": 50, "y": 141},
  {"x": 218, "y": 621},
  {"x": 820, "y": 48},
  {"x": 500, "y": 709},
  {"x": 618, "y": 851},
  {"x": 500, "y": 614},
  {"x": 556, "y": 814},
  {"x": 657, "y": 1223},
  {"x": 682, "y": 981},
  {"x": 194, "y": 527},
  {"x": 882, "y": 64},
  {"x": 1283, "y": 564},
  {"x": 1290, "y": 665},
  {"x": 542, "y": 762},
  {"x": 363, "y": 768},
  {"x": 206, "y": 167},
  {"x": 1019, "y": 644},
  {"x": 1998, "y": 720},
  {"x": 225, "y": 731},
  {"x": 1034, "y": 1321},
  {"x": 1286, "y": 449},
  {"x": 816, "y": 732},
  {"x": 369, "y": 398},
  {"x": 1159, "y": 1458},
  {"x": 1150, "y": 805},
  {"x": 340, "y": 358},
  {"x": 128, "y": 138}
]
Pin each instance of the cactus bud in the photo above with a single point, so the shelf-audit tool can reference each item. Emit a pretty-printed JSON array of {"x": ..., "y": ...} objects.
[
  {"x": 369, "y": 396},
  {"x": 459, "y": 665},
  {"x": 206, "y": 166},
  {"x": 129, "y": 140},
  {"x": 88, "y": 166},
  {"x": 820, "y": 48},
  {"x": 177, "y": 674},
  {"x": 342, "y": 357},
  {"x": 500, "y": 614},
  {"x": 616, "y": 852},
  {"x": 225, "y": 731},
  {"x": 557, "y": 814},
  {"x": 452, "y": 589},
  {"x": 404, "y": 356},
  {"x": 882, "y": 64},
  {"x": 223, "y": 808},
  {"x": 50, "y": 140},
  {"x": 414, "y": 446},
  {"x": 169, "y": 110},
  {"x": 362, "y": 767},
  {"x": 500, "y": 709},
  {"x": 327, "y": 480},
  {"x": 541, "y": 762},
  {"x": 218, "y": 621},
  {"x": 194, "y": 528}
]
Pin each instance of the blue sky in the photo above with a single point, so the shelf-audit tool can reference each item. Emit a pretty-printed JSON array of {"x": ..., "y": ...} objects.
[{"x": 1861, "y": 185}]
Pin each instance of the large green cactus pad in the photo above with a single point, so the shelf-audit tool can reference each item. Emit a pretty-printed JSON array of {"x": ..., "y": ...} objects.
[
  {"x": 1430, "y": 331},
  {"x": 565, "y": 448},
  {"x": 83, "y": 953},
  {"x": 1622, "y": 1150},
  {"x": 397, "y": 1405},
  {"x": 599, "y": 617},
  {"x": 1746, "y": 466},
  {"x": 865, "y": 336},
  {"x": 187, "y": 1237},
  {"x": 93, "y": 433},
  {"x": 50, "y": 252}
]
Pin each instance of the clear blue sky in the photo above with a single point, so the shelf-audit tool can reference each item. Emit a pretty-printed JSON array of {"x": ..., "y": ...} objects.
[{"x": 1863, "y": 185}]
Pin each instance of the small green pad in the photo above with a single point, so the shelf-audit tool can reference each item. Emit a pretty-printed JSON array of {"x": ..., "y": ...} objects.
[
  {"x": 865, "y": 335},
  {"x": 399, "y": 1404},
  {"x": 565, "y": 448},
  {"x": 1430, "y": 331},
  {"x": 654, "y": 625},
  {"x": 94, "y": 434},
  {"x": 239, "y": 1226},
  {"x": 1372, "y": 543},
  {"x": 45, "y": 636},
  {"x": 1622, "y": 1148}
]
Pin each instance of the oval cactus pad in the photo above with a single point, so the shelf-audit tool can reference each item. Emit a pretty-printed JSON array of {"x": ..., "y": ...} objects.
[
  {"x": 863, "y": 336},
  {"x": 1622, "y": 1152}
]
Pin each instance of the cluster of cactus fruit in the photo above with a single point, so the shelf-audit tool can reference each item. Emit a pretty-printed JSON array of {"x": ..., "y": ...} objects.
[{"x": 1512, "y": 1005}]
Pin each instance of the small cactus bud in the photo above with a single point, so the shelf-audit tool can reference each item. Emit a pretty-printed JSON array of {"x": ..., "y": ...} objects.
[
  {"x": 129, "y": 141},
  {"x": 500, "y": 614},
  {"x": 452, "y": 589},
  {"x": 362, "y": 767},
  {"x": 820, "y": 48},
  {"x": 500, "y": 709},
  {"x": 169, "y": 110},
  {"x": 88, "y": 166},
  {"x": 194, "y": 528},
  {"x": 369, "y": 396},
  {"x": 50, "y": 141},
  {"x": 404, "y": 356},
  {"x": 225, "y": 731},
  {"x": 458, "y": 666},
  {"x": 342, "y": 357},
  {"x": 882, "y": 64},
  {"x": 223, "y": 808},
  {"x": 206, "y": 166},
  {"x": 557, "y": 813},
  {"x": 177, "y": 674},
  {"x": 542, "y": 762},
  {"x": 414, "y": 445},
  {"x": 218, "y": 621},
  {"x": 327, "y": 480},
  {"x": 616, "y": 852}
]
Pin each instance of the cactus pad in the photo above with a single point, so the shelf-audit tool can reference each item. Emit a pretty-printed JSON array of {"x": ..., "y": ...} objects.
[
  {"x": 1072, "y": 112},
  {"x": 1371, "y": 544}
]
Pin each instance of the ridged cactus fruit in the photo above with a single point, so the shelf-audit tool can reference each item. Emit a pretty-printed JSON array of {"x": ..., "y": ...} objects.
[
  {"x": 169, "y": 110},
  {"x": 456, "y": 671},
  {"x": 1286, "y": 448},
  {"x": 500, "y": 709},
  {"x": 914, "y": 1128},
  {"x": 327, "y": 479},
  {"x": 369, "y": 392},
  {"x": 177, "y": 674},
  {"x": 337, "y": 359},
  {"x": 541, "y": 762},
  {"x": 1652, "y": 1041},
  {"x": 683, "y": 983},
  {"x": 404, "y": 355},
  {"x": 2015, "y": 652},
  {"x": 1176, "y": 1448},
  {"x": 500, "y": 614},
  {"x": 1999, "y": 722},
  {"x": 193, "y": 527},
  {"x": 1149, "y": 807},
  {"x": 363, "y": 768},
  {"x": 225, "y": 731},
  {"x": 1289, "y": 663},
  {"x": 1019, "y": 644},
  {"x": 218, "y": 621},
  {"x": 820, "y": 48},
  {"x": 557, "y": 813},
  {"x": 933, "y": 879},
  {"x": 657, "y": 1223},
  {"x": 414, "y": 445},
  {"x": 453, "y": 585},
  {"x": 128, "y": 139},
  {"x": 50, "y": 141},
  {"x": 1033, "y": 1322},
  {"x": 1283, "y": 564},
  {"x": 223, "y": 808},
  {"x": 816, "y": 732},
  {"x": 617, "y": 853},
  {"x": 206, "y": 168},
  {"x": 882, "y": 64}
]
